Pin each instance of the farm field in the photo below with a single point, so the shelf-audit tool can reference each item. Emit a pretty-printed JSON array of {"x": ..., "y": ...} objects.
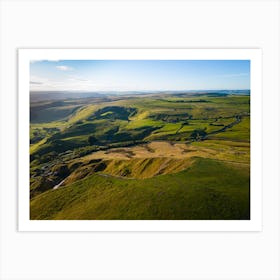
[{"x": 141, "y": 156}]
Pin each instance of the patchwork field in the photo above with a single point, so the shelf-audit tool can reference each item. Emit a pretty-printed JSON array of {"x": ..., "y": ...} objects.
[{"x": 141, "y": 156}]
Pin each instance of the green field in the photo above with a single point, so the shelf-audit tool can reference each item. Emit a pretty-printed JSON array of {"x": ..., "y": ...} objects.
[{"x": 150, "y": 156}]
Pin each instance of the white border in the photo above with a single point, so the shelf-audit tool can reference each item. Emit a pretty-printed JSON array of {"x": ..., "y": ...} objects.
[{"x": 254, "y": 224}]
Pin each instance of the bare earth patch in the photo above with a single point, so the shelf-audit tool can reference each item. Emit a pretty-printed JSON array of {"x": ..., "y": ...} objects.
[
  {"x": 162, "y": 157},
  {"x": 154, "y": 149}
]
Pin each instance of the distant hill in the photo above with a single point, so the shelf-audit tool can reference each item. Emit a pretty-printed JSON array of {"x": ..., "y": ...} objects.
[
  {"x": 60, "y": 95},
  {"x": 36, "y": 96}
]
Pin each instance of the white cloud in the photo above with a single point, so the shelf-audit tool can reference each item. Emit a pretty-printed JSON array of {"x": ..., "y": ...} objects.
[
  {"x": 75, "y": 78},
  {"x": 77, "y": 83},
  {"x": 67, "y": 84},
  {"x": 37, "y": 80},
  {"x": 64, "y": 68}
]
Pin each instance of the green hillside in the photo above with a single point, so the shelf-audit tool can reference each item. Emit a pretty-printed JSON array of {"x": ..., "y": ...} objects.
[
  {"x": 207, "y": 190},
  {"x": 157, "y": 156}
]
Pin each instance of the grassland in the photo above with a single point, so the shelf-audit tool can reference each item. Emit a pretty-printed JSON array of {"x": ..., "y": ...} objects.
[{"x": 158, "y": 156}]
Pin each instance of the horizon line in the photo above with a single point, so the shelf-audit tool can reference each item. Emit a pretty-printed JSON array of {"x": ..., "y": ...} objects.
[{"x": 144, "y": 90}]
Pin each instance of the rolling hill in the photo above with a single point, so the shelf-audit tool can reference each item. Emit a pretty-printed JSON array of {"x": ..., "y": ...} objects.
[{"x": 158, "y": 156}]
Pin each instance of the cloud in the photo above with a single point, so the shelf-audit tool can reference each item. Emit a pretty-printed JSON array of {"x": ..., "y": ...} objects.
[
  {"x": 78, "y": 79},
  {"x": 82, "y": 80},
  {"x": 64, "y": 68},
  {"x": 37, "y": 82},
  {"x": 67, "y": 83}
]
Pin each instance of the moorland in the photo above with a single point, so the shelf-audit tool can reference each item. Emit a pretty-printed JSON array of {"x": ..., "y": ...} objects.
[{"x": 172, "y": 156}]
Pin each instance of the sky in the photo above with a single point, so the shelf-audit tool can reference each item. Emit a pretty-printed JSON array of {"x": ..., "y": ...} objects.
[{"x": 139, "y": 75}]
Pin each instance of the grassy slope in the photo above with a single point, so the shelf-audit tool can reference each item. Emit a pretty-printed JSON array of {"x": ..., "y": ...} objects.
[
  {"x": 207, "y": 190},
  {"x": 54, "y": 113}
]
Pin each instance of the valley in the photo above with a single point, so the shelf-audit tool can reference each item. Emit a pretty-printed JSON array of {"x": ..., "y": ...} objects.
[{"x": 141, "y": 156}]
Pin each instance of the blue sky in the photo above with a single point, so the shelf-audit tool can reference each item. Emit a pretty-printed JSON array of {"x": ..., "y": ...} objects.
[{"x": 137, "y": 75}]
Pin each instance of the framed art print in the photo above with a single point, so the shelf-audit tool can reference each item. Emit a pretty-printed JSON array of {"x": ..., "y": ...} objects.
[{"x": 140, "y": 139}]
